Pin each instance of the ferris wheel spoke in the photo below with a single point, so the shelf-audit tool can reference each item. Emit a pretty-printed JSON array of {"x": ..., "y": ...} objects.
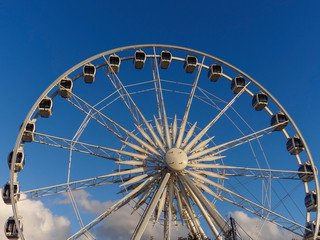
[
  {"x": 203, "y": 160},
  {"x": 191, "y": 226},
  {"x": 126, "y": 199},
  {"x": 264, "y": 213},
  {"x": 135, "y": 147},
  {"x": 231, "y": 171},
  {"x": 99, "y": 117},
  {"x": 65, "y": 187},
  {"x": 100, "y": 151},
  {"x": 155, "y": 179},
  {"x": 191, "y": 217},
  {"x": 201, "y": 145},
  {"x": 134, "y": 170},
  {"x": 179, "y": 202},
  {"x": 188, "y": 136},
  {"x": 155, "y": 144},
  {"x": 175, "y": 214},
  {"x": 149, "y": 209},
  {"x": 74, "y": 146},
  {"x": 205, "y": 180},
  {"x": 160, "y": 101},
  {"x": 199, "y": 234},
  {"x": 186, "y": 113},
  {"x": 174, "y": 129},
  {"x": 210, "y": 173},
  {"x": 203, "y": 202},
  {"x": 157, "y": 85},
  {"x": 231, "y": 144},
  {"x": 123, "y": 93},
  {"x": 134, "y": 179},
  {"x": 131, "y": 105},
  {"x": 161, "y": 204},
  {"x": 111, "y": 125},
  {"x": 170, "y": 208},
  {"x": 205, "y": 188},
  {"x": 144, "y": 197},
  {"x": 205, "y": 214},
  {"x": 204, "y": 131},
  {"x": 159, "y": 129},
  {"x": 167, "y": 131}
]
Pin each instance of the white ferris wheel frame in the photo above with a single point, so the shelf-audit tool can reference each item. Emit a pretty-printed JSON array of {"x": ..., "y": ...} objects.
[{"x": 13, "y": 175}]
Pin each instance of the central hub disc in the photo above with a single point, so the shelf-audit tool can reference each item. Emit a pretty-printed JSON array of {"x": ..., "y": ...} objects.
[{"x": 176, "y": 159}]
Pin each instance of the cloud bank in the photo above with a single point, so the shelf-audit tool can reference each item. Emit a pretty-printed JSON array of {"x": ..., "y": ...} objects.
[
  {"x": 269, "y": 231},
  {"x": 38, "y": 221},
  {"x": 119, "y": 225}
]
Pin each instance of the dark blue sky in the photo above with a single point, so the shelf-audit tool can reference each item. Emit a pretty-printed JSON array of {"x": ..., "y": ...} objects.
[{"x": 275, "y": 42}]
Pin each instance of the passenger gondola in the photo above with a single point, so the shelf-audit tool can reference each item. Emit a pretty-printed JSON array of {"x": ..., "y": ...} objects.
[
  {"x": 260, "y": 101},
  {"x": 89, "y": 73},
  {"x": 114, "y": 63},
  {"x": 28, "y": 135},
  {"x": 190, "y": 63},
  {"x": 237, "y": 84},
  {"x": 45, "y": 107},
  {"x": 214, "y": 72},
  {"x": 306, "y": 172},
  {"x": 295, "y": 145},
  {"x": 20, "y": 161},
  {"x": 310, "y": 201},
  {"x": 65, "y": 87},
  {"x": 139, "y": 59},
  {"x": 6, "y": 192},
  {"x": 165, "y": 59},
  {"x": 279, "y": 119},
  {"x": 309, "y": 231},
  {"x": 11, "y": 230}
]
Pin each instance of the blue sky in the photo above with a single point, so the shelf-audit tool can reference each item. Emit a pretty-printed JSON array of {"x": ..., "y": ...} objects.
[{"x": 275, "y": 42}]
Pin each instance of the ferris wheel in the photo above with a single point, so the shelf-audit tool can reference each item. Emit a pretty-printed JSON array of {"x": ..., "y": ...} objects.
[{"x": 182, "y": 137}]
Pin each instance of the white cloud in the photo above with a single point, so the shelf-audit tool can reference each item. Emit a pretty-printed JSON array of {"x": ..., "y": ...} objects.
[
  {"x": 121, "y": 224},
  {"x": 269, "y": 231},
  {"x": 38, "y": 221}
]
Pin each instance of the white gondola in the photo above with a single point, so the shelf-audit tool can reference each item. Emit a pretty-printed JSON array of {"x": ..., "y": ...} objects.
[
  {"x": 310, "y": 201},
  {"x": 89, "y": 73},
  {"x": 45, "y": 107},
  {"x": 237, "y": 84},
  {"x": 114, "y": 63},
  {"x": 28, "y": 135},
  {"x": 310, "y": 229},
  {"x": 11, "y": 230},
  {"x": 214, "y": 72},
  {"x": 281, "y": 119},
  {"x": 260, "y": 101},
  {"x": 165, "y": 59},
  {"x": 190, "y": 64},
  {"x": 20, "y": 161},
  {"x": 65, "y": 87},
  {"x": 139, "y": 59},
  {"x": 306, "y": 172},
  {"x": 294, "y": 145},
  {"x": 6, "y": 192}
]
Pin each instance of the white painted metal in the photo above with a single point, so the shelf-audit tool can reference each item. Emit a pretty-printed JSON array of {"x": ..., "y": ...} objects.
[
  {"x": 150, "y": 156},
  {"x": 200, "y": 135},
  {"x": 150, "y": 208},
  {"x": 186, "y": 114}
]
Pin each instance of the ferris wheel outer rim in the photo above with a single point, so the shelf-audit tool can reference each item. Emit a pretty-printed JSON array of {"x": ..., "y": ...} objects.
[{"x": 54, "y": 83}]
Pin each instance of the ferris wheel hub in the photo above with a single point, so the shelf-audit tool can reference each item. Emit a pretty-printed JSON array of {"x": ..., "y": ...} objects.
[{"x": 176, "y": 159}]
